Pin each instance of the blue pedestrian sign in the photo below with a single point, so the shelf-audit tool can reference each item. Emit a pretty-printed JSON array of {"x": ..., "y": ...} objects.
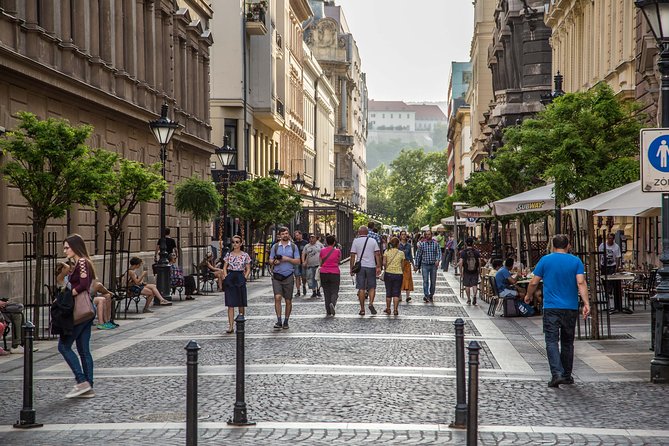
[{"x": 654, "y": 160}]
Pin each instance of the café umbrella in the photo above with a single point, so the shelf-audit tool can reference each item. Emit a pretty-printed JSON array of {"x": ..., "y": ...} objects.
[{"x": 540, "y": 199}]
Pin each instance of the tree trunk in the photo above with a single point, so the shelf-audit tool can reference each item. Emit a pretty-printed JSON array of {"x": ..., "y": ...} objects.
[
  {"x": 592, "y": 277},
  {"x": 113, "y": 271},
  {"x": 39, "y": 227}
]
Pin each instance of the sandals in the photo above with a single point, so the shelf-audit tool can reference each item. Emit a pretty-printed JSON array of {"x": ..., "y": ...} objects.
[
  {"x": 396, "y": 313},
  {"x": 167, "y": 303},
  {"x": 387, "y": 311},
  {"x": 230, "y": 330},
  {"x": 362, "y": 313}
]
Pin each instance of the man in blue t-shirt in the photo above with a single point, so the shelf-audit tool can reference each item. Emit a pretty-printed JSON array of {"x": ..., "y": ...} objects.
[
  {"x": 564, "y": 281},
  {"x": 505, "y": 281}
]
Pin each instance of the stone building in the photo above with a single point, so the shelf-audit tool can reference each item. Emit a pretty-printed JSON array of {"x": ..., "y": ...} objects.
[
  {"x": 479, "y": 96},
  {"x": 458, "y": 152},
  {"x": 111, "y": 65},
  {"x": 520, "y": 60},
  {"x": 331, "y": 42}
]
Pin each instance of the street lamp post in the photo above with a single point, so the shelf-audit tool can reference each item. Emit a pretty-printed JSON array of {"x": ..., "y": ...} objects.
[
  {"x": 657, "y": 15},
  {"x": 163, "y": 129},
  {"x": 314, "y": 193},
  {"x": 547, "y": 99},
  {"x": 298, "y": 183},
  {"x": 226, "y": 156},
  {"x": 276, "y": 173}
]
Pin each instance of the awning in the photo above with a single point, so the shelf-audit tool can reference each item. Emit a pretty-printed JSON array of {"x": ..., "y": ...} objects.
[
  {"x": 448, "y": 221},
  {"x": 536, "y": 200},
  {"x": 630, "y": 212},
  {"x": 476, "y": 211},
  {"x": 425, "y": 228},
  {"x": 628, "y": 196},
  {"x": 437, "y": 227}
]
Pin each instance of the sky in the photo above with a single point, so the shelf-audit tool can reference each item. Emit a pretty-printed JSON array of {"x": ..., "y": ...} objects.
[{"x": 407, "y": 46}]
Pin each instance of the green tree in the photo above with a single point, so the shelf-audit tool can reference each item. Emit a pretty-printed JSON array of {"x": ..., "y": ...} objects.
[
  {"x": 199, "y": 198},
  {"x": 378, "y": 191},
  {"x": 53, "y": 168},
  {"x": 586, "y": 142},
  {"x": 262, "y": 202},
  {"x": 440, "y": 136},
  {"x": 126, "y": 186}
]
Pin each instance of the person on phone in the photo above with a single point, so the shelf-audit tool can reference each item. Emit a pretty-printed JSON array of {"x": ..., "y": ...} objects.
[
  {"x": 564, "y": 281},
  {"x": 138, "y": 285}
]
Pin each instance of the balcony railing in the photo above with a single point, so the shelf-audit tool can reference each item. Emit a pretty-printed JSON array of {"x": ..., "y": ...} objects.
[
  {"x": 279, "y": 108},
  {"x": 343, "y": 140},
  {"x": 256, "y": 11},
  {"x": 343, "y": 183}
]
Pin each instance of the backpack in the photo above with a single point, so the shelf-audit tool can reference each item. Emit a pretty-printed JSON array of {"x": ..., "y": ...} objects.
[
  {"x": 471, "y": 262},
  {"x": 276, "y": 248}
]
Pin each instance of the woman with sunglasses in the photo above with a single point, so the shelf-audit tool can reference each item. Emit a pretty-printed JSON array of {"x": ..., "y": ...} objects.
[{"x": 236, "y": 271}]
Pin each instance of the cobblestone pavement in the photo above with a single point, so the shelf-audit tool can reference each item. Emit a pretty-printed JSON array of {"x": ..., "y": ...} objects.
[{"x": 390, "y": 376}]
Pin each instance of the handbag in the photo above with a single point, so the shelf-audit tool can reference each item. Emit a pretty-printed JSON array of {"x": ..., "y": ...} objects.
[
  {"x": 357, "y": 266},
  {"x": 83, "y": 308}
]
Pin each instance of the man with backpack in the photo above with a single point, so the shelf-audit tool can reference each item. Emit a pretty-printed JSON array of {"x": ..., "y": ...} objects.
[
  {"x": 283, "y": 257},
  {"x": 427, "y": 259},
  {"x": 469, "y": 265},
  {"x": 365, "y": 264}
]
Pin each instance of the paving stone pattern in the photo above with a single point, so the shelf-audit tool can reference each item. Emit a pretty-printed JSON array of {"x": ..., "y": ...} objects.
[
  {"x": 360, "y": 352},
  {"x": 377, "y": 324}
]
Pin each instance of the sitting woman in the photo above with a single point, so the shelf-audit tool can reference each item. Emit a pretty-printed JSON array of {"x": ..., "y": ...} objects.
[
  {"x": 102, "y": 299},
  {"x": 136, "y": 284},
  {"x": 208, "y": 268}
]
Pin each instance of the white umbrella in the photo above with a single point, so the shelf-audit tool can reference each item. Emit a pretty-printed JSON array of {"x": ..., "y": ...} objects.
[
  {"x": 448, "y": 221},
  {"x": 437, "y": 227},
  {"x": 630, "y": 212},
  {"x": 425, "y": 228},
  {"x": 598, "y": 202},
  {"x": 535, "y": 200},
  {"x": 476, "y": 211}
]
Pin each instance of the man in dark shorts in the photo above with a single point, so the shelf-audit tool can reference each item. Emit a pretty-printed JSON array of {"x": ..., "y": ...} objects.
[
  {"x": 283, "y": 256},
  {"x": 365, "y": 249},
  {"x": 469, "y": 265}
]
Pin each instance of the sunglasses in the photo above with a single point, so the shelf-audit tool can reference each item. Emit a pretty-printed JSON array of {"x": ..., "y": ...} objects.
[{"x": 236, "y": 242}]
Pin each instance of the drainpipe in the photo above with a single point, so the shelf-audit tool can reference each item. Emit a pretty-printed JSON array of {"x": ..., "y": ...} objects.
[{"x": 316, "y": 128}]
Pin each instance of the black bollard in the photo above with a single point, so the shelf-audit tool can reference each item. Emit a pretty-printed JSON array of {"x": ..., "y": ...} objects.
[
  {"x": 192, "y": 349},
  {"x": 461, "y": 391},
  {"x": 239, "y": 416},
  {"x": 473, "y": 406},
  {"x": 27, "y": 416}
]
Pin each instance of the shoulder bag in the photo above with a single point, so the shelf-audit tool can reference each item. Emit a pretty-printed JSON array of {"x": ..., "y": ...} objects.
[
  {"x": 357, "y": 266},
  {"x": 83, "y": 308}
]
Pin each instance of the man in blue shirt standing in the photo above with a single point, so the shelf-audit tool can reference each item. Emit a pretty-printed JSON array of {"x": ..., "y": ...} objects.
[
  {"x": 564, "y": 281},
  {"x": 283, "y": 256}
]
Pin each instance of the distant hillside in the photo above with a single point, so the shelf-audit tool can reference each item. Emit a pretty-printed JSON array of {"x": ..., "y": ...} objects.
[{"x": 386, "y": 152}]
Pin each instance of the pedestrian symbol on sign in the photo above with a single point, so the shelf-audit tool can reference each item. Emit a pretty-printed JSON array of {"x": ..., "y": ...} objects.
[{"x": 658, "y": 154}]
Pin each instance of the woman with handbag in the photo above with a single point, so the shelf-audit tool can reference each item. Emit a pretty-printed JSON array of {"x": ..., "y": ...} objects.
[
  {"x": 80, "y": 280},
  {"x": 330, "y": 273},
  {"x": 236, "y": 271},
  {"x": 392, "y": 264},
  {"x": 407, "y": 265}
]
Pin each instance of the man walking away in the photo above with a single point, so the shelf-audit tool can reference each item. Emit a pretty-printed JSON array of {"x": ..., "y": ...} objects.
[
  {"x": 564, "y": 281},
  {"x": 427, "y": 259},
  {"x": 310, "y": 262},
  {"x": 469, "y": 265},
  {"x": 283, "y": 256},
  {"x": 365, "y": 249},
  {"x": 300, "y": 279}
]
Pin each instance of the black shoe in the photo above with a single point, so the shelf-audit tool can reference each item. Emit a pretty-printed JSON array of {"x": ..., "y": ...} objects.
[
  {"x": 372, "y": 309},
  {"x": 556, "y": 381},
  {"x": 285, "y": 325},
  {"x": 298, "y": 293},
  {"x": 332, "y": 309},
  {"x": 313, "y": 294},
  {"x": 568, "y": 379},
  {"x": 469, "y": 302},
  {"x": 425, "y": 299},
  {"x": 431, "y": 299},
  {"x": 278, "y": 325},
  {"x": 408, "y": 299}
]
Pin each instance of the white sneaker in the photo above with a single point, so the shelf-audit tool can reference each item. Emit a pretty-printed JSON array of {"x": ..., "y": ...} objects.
[
  {"x": 89, "y": 394},
  {"x": 17, "y": 350},
  {"x": 79, "y": 389}
]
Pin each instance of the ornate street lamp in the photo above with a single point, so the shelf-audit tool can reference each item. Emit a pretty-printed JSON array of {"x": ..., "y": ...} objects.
[
  {"x": 657, "y": 16},
  {"x": 276, "y": 173},
  {"x": 226, "y": 155},
  {"x": 325, "y": 194},
  {"x": 163, "y": 129},
  {"x": 298, "y": 183},
  {"x": 314, "y": 191}
]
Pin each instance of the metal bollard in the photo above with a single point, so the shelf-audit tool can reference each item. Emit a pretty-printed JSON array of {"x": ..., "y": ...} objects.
[
  {"x": 473, "y": 406},
  {"x": 461, "y": 391},
  {"x": 192, "y": 349},
  {"x": 27, "y": 416},
  {"x": 239, "y": 416}
]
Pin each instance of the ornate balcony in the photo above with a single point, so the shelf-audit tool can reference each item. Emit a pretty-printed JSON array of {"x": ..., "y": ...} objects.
[
  {"x": 256, "y": 11},
  {"x": 344, "y": 140}
]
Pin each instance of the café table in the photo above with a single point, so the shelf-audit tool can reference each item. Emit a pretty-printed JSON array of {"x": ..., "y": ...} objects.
[
  {"x": 525, "y": 282},
  {"x": 618, "y": 279}
]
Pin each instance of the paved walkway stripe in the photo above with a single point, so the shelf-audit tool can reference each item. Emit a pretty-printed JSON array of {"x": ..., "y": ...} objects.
[{"x": 345, "y": 426}]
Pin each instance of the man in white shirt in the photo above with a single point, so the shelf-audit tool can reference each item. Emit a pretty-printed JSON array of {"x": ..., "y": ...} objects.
[
  {"x": 610, "y": 260},
  {"x": 311, "y": 260},
  {"x": 367, "y": 251}
]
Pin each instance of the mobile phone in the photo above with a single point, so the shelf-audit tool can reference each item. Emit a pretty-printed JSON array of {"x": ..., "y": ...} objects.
[{"x": 4, "y": 299}]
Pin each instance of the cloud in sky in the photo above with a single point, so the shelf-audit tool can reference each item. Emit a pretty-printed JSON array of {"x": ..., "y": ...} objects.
[{"x": 407, "y": 46}]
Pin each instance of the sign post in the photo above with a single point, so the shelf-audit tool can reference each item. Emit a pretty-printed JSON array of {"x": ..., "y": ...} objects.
[{"x": 655, "y": 160}]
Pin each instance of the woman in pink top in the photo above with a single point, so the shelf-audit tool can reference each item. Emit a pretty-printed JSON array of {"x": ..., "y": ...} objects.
[{"x": 330, "y": 274}]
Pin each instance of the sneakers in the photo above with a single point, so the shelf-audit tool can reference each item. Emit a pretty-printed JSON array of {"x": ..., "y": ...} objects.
[
  {"x": 285, "y": 325},
  {"x": 313, "y": 294},
  {"x": 431, "y": 298},
  {"x": 372, "y": 309},
  {"x": 556, "y": 381},
  {"x": 469, "y": 301},
  {"x": 332, "y": 309},
  {"x": 79, "y": 389},
  {"x": 17, "y": 350},
  {"x": 568, "y": 379},
  {"x": 146, "y": 310},
  {"x": 318, "y": 293},
  {"x": 298, "y": 293},
  {"x": 4, "y": 352},
  {"x": 425, "y": 299},
  {"x": 278, "y": 325},
  {"x": 103, "y": 327},
  {"x": 89, "y": 394}
]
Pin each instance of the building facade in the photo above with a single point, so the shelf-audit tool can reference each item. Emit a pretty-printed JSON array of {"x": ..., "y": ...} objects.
[
  {"x": 602, "y": 33},
  {"x": 459, "y": 125},
  {"x": 480, "y": 93},
  {"x": 332, "y": 44},
  {"x": 111, "y": 65}
]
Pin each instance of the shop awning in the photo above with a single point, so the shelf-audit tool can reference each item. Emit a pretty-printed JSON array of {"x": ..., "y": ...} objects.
[
  {"x": 536, "y": 200},
  {"x": 627, "y": 197},
  {"x": 476, "y": 211},
  {"x": 630, "y": 212}
]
